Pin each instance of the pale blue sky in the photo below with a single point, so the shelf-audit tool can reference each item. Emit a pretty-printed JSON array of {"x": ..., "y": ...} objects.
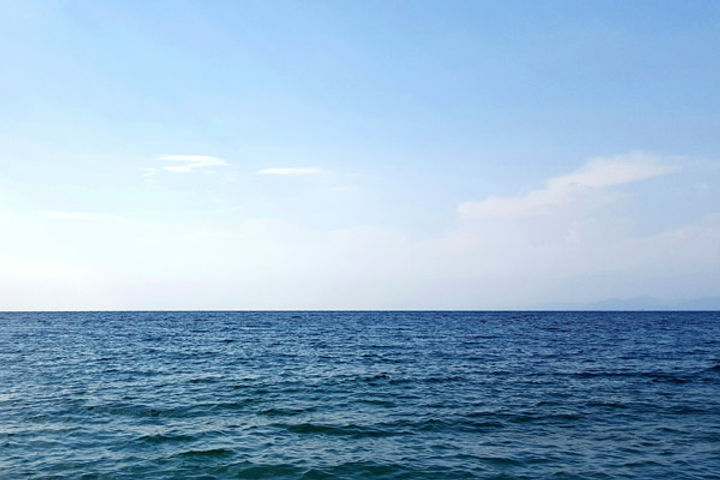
[{"x": 342, "y": 154}]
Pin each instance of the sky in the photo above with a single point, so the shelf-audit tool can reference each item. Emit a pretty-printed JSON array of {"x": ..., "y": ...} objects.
[{"x": 357, "y": 155}]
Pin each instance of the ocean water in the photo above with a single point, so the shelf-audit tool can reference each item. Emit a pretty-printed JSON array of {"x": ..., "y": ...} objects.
[{"x": 359, "y": 395}]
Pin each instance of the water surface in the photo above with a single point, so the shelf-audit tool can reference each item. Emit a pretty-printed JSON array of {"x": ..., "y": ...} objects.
[{"x": 359, "y": 395}]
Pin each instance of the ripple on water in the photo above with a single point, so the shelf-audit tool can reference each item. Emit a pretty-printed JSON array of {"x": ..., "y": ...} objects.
[{"x": 359, "y": 395}]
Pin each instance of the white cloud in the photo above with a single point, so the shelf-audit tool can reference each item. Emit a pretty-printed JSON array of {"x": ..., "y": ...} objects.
[
  {"x": 187, "y": 163},
  {"x": 597, "y": 174},
  {"x": 571, "y": 253},
  {"x": 290, "y": 171}
]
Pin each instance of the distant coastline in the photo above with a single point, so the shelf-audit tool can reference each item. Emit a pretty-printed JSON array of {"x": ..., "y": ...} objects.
[{"x": 638, "y": 304}]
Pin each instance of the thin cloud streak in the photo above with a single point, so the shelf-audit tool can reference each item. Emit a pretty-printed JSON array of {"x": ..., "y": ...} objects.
[
  {"x": 187, "y": 163},
  {"x": 594, "y": 176}
]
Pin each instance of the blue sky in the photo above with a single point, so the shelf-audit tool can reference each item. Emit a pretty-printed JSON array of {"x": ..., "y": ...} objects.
[{"x": 357, "y": 154}]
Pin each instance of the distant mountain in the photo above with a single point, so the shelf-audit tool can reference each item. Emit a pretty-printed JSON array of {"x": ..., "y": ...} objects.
[{"x": 638, "y": 303}]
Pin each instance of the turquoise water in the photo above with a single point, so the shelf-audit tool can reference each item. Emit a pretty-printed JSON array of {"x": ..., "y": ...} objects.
[{"x": 372, "y": 395}]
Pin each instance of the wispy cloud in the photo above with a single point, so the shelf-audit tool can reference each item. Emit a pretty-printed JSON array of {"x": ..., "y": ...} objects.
[
  {"x": 597, "y": 174},
  {"x": 291, "y": 171},
  {"x": 187, "y": 163}
]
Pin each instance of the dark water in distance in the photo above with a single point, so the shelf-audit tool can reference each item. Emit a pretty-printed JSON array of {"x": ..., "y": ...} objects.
[{"x": 359, "y": 395}]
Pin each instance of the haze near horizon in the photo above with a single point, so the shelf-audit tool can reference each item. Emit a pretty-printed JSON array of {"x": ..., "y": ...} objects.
[{"x": 358, "y": 155}]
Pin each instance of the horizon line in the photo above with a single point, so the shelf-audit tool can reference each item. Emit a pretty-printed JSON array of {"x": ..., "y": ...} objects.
[{"x": 368, "y": 310}]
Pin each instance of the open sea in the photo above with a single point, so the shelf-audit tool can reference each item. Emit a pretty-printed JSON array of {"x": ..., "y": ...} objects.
[{"x": 360, "y": 395}]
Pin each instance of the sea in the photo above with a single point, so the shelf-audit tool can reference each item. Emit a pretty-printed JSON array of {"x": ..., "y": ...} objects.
[{"x": 360, "y": 395}]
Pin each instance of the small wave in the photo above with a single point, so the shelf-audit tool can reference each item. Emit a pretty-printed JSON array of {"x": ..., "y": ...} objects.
[
  {"x": 141, "y": 411},
  {"x": 239, "y": 404},
  {"x": 214, "y": 379},
  {"x": 525, "y": 417},
  {"x": 641, "y": 464},
  {"x": 351, "y": 430},
  {"x": 545, "y": 418},
  {"x": 454, "y": 424},
  {"x": 656, "y": 377},
  {"x": 285, "y": 412},
  {"x": 208, "y": 453},
  {"x": 445, "y": 379},
  {"x": 164, "y": 438},
  {"x": 374, "y": 378},
  {"x": 686, "y": 409},
  {"x": 670, "y": 379},
  {"x": 364, "y": 470},
  {"x": 617, "y": 405},
  {"x": 263, "y": 471},
  {"x": 501, "y": 461},
  {"x": 380, "y": 403}
]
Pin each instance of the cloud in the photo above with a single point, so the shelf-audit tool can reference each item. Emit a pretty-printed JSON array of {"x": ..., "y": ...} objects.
[
  {"x": 290, "y": 171},
  {"x": 570, "y": 253},
  {"x": 596, "y": 175},
  {"x": 187, "y": 163}
]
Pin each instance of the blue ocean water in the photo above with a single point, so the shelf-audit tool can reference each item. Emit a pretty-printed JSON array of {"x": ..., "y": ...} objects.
[{"x": 359, "y": 395}]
